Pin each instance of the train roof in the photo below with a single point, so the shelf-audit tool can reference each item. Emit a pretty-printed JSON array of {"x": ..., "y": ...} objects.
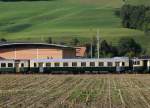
[
  {"x": 84, "y": 59},
  {"x": 6, "y": 60},
  {"x": 141, "y": 58}
]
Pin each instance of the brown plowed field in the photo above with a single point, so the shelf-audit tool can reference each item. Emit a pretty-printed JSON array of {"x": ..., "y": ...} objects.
[{"x": 75, "y": 91}]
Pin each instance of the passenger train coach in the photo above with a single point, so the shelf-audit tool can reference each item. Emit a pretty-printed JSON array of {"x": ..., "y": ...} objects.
[{"x": 76, "y": 66}]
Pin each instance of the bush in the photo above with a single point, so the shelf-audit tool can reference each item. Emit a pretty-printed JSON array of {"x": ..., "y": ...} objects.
[{"x": 129, "y": 47}]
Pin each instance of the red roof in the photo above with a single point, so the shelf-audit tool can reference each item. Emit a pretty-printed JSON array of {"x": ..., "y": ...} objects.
[
  {"x": 80, "y": 51},
  {"x": 2, "y": 45}
]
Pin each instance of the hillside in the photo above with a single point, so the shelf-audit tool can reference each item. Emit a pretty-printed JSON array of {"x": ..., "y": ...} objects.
[{"x": 64, "y": 19}]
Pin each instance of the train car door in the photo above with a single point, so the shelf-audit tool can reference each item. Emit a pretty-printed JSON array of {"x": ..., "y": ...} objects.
[
  {"x": 41, "y": 68},
  {"x": 118, "y": 68},
  {"x": 17, "y": 66},
  {"x": 145, "y": 64}
]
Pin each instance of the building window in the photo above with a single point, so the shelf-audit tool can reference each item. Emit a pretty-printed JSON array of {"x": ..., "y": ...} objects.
[
  {"x": 22, "y": 64},
  {"x": 83, "y": 64},
  {"x": 92, "y": 64},
  {"x": 48, "y": 64},
  {"x": 74, "y": 64},
  {"x": 109, "y": 64},
  {"x": 35, "y": 65},
  {"x": 101, "y": 63},
  {"x": 56, "y": 64},
  {"x": 65, "y": 64},
  {"x": 10, "y": 65},
  {"x": 3, "y": 64}
]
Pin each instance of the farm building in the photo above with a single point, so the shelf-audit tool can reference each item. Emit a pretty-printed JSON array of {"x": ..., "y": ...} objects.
[
  {"x": 80, "y": 52},
  {"x": 35, "y": 51}
]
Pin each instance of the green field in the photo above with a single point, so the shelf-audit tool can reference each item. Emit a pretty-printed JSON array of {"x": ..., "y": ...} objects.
[
  {"x": 75, "y": 91},
  {"x": 65, "y": 19}
]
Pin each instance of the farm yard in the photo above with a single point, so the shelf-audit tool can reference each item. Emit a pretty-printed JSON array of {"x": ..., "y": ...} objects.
[{"x": 75, "y": 91}]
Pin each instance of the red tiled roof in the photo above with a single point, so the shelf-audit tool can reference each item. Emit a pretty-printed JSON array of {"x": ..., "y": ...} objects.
[{"x": 80, "y": 51}]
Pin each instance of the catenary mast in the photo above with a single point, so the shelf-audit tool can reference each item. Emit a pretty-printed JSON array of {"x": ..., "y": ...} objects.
[
  {"x": 91, "y": 50},
  {"x": 98, "y": 47}
]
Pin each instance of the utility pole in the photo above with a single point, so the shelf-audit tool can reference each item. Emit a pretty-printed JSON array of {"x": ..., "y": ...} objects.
[
  {"x": 91, "y": 50},
  {"x": 98, "y": 47}
]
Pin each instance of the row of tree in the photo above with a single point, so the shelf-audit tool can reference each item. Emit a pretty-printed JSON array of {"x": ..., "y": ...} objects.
[
  {"x": 135, "y": 17},
  {"x": 126, "y": 47}
]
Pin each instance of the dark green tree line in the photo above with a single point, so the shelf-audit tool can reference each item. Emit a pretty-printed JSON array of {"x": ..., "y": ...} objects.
[
  {"x": 135, "y": 17},
  {"x": 126, "y": 47}
]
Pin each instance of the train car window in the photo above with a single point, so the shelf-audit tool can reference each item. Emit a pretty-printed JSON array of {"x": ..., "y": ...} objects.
[
  {"x": 22, "y": 64},
  {"x": 10, "y": 65},
  {"x": 123, "y": 63},
  {"x": 109, "y": 64},
  {"x": 138, "y": 62},
  {"x": 83, "y": 64},
  {"x": 117, "y": 63},
  {"x": 41, "y": 64},
  {"x": 56, "y": 64},
  {"x": 101, "y": 63},
  {"x": 48, "y": 64},
  {"x": 74, "y": 64},
  {"x": 65, "y": 64},
  {"x": 35, "y": 65},
  {"x": 3, "y": 64},
  {"x": 92, "y": 64}
]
